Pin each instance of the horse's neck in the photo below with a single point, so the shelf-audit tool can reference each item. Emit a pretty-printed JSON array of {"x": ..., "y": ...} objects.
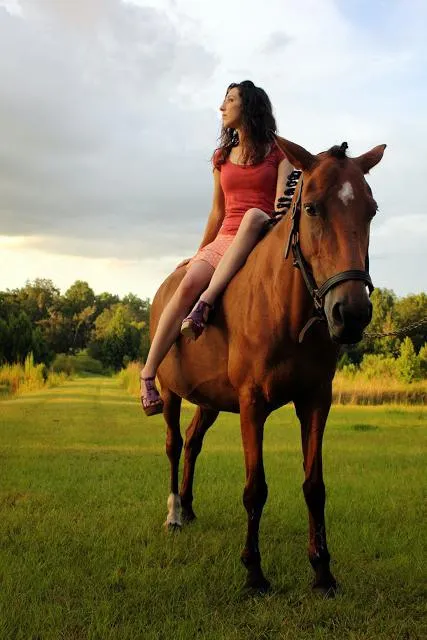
[{"x": 287, "y": 294}]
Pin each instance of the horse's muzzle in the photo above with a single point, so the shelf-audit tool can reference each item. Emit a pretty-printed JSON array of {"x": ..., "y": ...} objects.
[{"x": 348, "y": 316}]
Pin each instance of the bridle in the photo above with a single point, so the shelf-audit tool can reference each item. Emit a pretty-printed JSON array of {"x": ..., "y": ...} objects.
[{"x": 317, "y": 293}]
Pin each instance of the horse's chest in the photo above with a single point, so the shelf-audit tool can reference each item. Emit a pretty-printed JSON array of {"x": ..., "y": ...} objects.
[{"x": 279, "y": 373}]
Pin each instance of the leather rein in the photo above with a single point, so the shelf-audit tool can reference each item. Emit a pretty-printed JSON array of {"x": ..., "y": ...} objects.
[{"x": 317, "y": 293}]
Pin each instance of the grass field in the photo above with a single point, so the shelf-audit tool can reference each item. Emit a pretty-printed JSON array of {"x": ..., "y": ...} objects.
[{"x": 83, "y": 555}]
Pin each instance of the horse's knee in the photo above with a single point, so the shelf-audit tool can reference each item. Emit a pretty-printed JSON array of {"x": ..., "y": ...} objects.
[
  {"x": 254, "y": 220},
  {"x": 255, "y": 496},
  {"x": 193, "y": 446},
  {"x": 314, "y": 491}
]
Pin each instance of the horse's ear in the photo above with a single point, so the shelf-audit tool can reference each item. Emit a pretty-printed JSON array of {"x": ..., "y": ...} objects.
[
  {"x": 297, "y": 156},
  {"x": 370, "y": 158}
]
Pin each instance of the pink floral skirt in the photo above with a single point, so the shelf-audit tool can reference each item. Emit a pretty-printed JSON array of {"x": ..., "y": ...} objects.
[{"x": 213, "y": 252}]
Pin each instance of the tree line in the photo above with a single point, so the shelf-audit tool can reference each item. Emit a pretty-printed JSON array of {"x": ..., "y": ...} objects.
[
  {"x": 391, "y": 314},
  {"x": 38, "y": 319}
]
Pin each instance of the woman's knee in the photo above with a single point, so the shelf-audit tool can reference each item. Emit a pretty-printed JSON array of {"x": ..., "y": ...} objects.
[
  {"x": 192, "y": 285},
  {"x": 254, "y": 220}
]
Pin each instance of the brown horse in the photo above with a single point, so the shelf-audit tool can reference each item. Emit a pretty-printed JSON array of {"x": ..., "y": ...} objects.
[{"x": 263, "y": 349}]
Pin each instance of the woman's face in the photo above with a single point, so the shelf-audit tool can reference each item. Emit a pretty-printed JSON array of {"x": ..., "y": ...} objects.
[{"x": 231, "y": 109}]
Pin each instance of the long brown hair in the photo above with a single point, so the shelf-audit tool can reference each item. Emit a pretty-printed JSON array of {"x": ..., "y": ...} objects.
[{"x": 257, "y": 120}]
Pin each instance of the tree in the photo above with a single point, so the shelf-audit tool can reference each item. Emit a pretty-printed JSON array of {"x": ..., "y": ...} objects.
[
  {"x": 40, "y": 348},
  {"x": 116, "y": 337},
  {"x": 383, "y": 302},
  {"x": 36, "y": 298},
  {"x": 413, "y": 308},
  {"x": 140, "y": 309},
  {"x": 78, "y": 305},
  {"x": 20, "y": 342},
  {"x": 105, "y": 300},
  {"x": 383, "y": 321},
  {"x": 57, "y": 330},
  {"x": 422, "y": 357},
  {"x": 408, "y": 363},
  {"x": 78, "y": 297},
  {"x": 4, "y": 340}
]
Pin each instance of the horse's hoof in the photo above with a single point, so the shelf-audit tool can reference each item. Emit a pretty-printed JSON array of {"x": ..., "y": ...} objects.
[
  {"x": 326, "y": 591},
  {"x": 172, "y": 527},
  {"x": 187, "y": 515},
  {"x": 258, "y": 587}
]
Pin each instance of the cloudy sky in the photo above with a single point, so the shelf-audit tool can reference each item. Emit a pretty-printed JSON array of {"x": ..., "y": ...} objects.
[{"x": 109, "y": 116}]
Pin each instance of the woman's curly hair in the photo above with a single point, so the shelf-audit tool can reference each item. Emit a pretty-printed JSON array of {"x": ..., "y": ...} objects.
[{"x": 258, "y": 123}]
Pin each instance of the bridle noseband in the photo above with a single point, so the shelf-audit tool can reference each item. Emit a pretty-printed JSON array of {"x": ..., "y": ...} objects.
[{"x": 318, "y": 294}]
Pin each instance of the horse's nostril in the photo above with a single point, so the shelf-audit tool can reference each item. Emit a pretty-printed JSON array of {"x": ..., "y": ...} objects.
[{"x": 337, "y": 313}]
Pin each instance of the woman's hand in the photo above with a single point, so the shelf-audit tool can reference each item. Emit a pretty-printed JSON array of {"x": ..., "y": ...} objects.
[
  {"x": 278, "y": 215},
  {"x": 183, "y": 263},
  {"x": 273, "y": 220}
]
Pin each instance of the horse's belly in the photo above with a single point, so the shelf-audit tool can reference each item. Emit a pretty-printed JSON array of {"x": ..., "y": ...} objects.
[
  {"x": 198, "y": 372},
  {"x": 217, "y": 396}
]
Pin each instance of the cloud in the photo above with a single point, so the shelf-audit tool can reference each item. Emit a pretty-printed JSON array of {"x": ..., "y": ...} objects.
[
  {"x": 93, "y": 145},
  {"x": 398, "y": 249},
  {"x": 108, "y": 115},
  {"x": 275, "y": 42}
]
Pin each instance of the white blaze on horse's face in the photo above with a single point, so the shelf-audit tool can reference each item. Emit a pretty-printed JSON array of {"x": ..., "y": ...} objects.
[{"x": 346, "y": 193}]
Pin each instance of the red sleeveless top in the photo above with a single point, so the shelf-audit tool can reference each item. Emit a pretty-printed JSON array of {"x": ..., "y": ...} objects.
[{"x": 247, "y": 186}]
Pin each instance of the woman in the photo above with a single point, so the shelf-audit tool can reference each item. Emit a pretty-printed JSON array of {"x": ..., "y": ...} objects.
[{"x": 250, "y": 174}]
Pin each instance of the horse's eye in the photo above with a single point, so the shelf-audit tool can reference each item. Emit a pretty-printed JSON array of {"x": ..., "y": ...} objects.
[{"x": 310, "y": 209}]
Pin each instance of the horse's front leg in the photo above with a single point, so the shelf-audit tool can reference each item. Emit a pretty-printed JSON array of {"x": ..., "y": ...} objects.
[
  {"x": 312, "y": 413},
  {"x": 171, "y": 414},
  {"x": 203, "y": 419},
  {"x": 252, "y": 419}
]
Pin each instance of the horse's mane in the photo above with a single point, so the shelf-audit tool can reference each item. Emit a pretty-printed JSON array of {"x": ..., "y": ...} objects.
[
  {"x": 284, "y": 202},
  {"x": 338, "y": 151}
]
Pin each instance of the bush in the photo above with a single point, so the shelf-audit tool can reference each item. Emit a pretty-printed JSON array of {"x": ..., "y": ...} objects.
[
  {"x": 56, "y": 379},
  {"x": 63, "y": 364},
  {"x": 409, "y": 365},
  {"x": 78, "y": 364},
  {"x": 349, "y": 370},
  {"x": 343, "y": 361},
  {"x": 378, "y": 366},
  {"x": 18, "y": 378},
  {"x": 422, "y": 357},
  {"x": 84, "y": 363},
  {"x": 129, "y": 378}
]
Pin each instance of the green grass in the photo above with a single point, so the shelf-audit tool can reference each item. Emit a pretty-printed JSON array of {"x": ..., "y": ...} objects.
[{"x": 83, "y": 555}]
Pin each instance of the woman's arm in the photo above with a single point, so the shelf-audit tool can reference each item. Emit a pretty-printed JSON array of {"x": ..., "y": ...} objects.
[
  {"x": 216, "y": 216},
  {"x": 217, "y": 213}
]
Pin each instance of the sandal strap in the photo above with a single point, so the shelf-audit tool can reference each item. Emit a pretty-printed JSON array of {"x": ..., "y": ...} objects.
[
  {"x": 152, "y": 396},
  {"x": 197, "y": 314}
]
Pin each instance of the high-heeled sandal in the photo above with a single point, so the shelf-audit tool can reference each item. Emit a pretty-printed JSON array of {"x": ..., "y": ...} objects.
[
  {"x": 151, "y": 400},
  {"x": 193, "y": 325}
]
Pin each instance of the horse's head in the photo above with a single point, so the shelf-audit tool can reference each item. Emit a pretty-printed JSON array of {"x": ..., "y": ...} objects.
[{"x": 336, "y": 211}]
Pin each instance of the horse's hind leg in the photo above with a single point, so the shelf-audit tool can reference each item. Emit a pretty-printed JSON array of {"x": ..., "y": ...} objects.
[
  {"x": 202, "y": 420},
  {"x": 171, "y": 413}
]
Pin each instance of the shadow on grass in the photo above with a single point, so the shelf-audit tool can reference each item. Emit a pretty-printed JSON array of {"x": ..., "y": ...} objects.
[{"x": 364, "y": 427}]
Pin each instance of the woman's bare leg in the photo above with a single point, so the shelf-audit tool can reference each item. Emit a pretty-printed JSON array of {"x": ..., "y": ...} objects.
[
  {"x": 195, "y": 280},
  {"x": 236, "y": 254}
]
